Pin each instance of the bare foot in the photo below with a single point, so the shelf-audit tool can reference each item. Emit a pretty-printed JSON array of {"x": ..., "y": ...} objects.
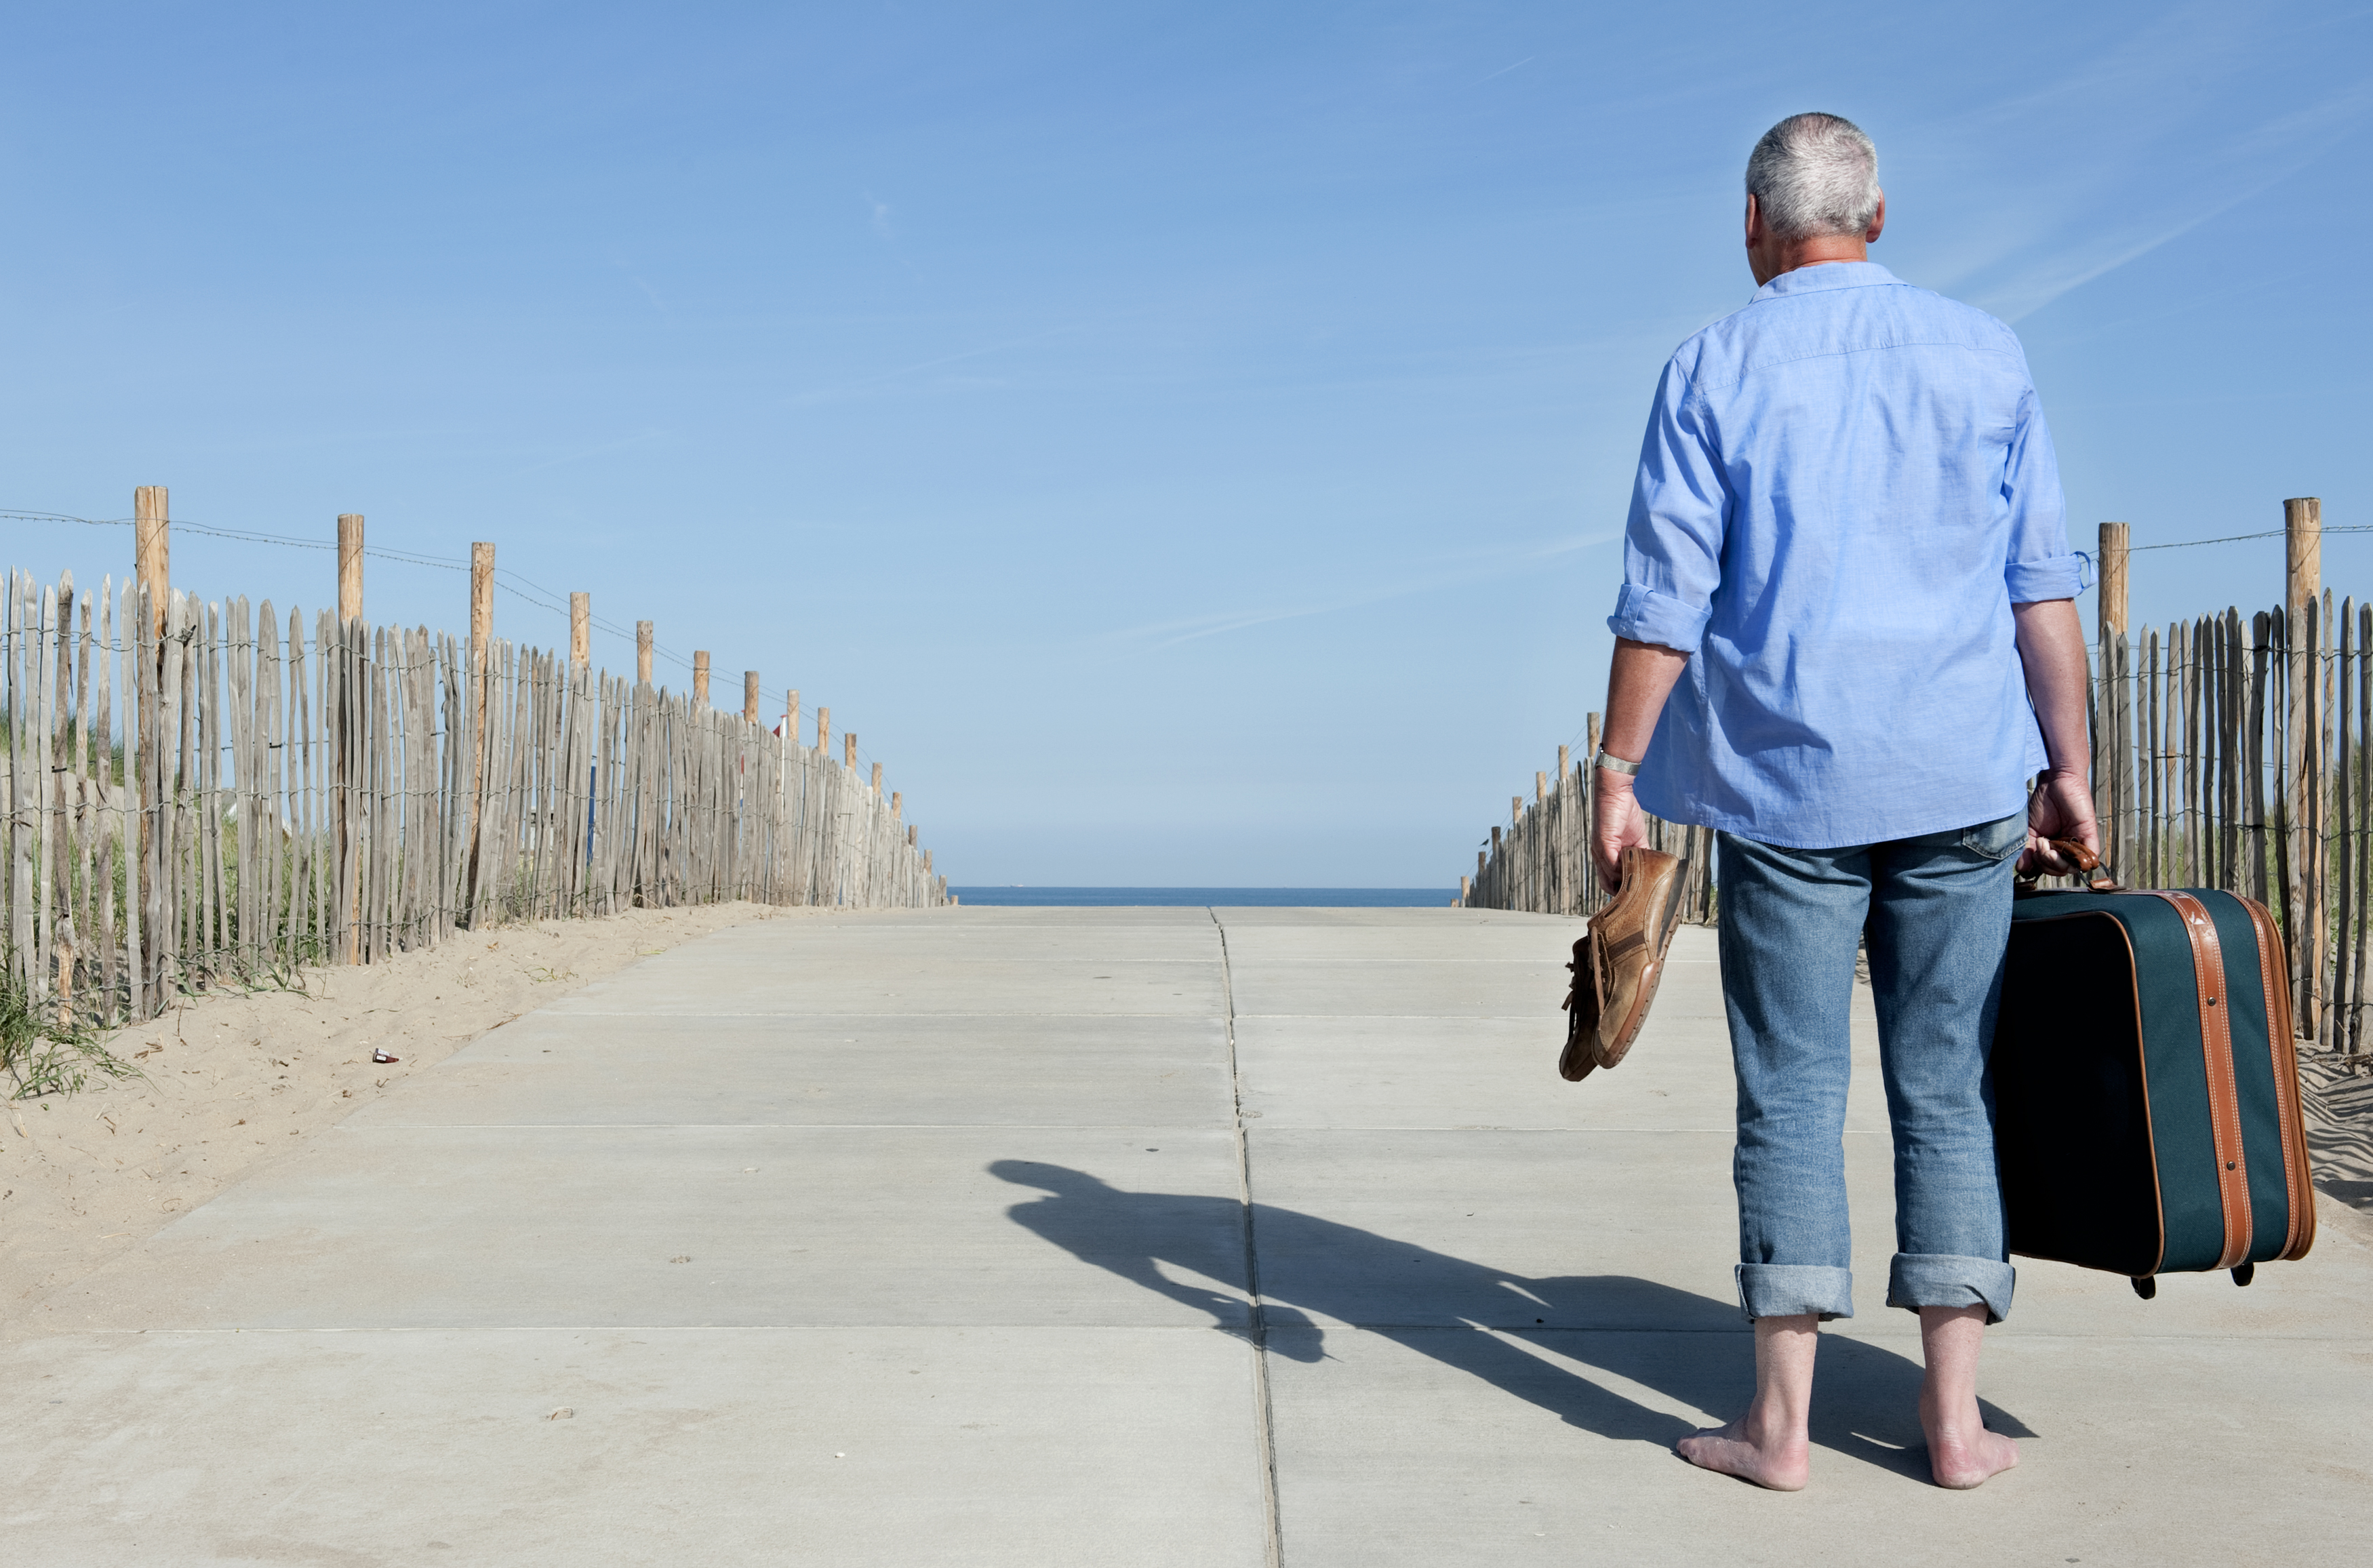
[
  {"x": 1962, "y": 1454},
  {"x": 1781, "y": 1463}
]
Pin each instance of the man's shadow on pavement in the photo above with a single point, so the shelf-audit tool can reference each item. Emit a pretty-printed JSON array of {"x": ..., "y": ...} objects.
[{"x": 1692, "y": 1348}]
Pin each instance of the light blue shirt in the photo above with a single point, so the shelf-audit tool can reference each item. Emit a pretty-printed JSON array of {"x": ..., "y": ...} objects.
[{"x": 1844, "y": 487}]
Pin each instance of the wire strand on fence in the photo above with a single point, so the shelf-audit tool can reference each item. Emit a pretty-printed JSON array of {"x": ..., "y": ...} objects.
[
  {"x": 514, "y": 583},
  {"x": 517, "y": 585}
]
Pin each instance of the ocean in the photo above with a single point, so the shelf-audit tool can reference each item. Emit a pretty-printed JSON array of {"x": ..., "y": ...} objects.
[{"x": 1269, "y": 897}]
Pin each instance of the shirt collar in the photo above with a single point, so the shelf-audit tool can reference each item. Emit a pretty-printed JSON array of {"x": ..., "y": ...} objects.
[{"x": 1827, "y": 275}]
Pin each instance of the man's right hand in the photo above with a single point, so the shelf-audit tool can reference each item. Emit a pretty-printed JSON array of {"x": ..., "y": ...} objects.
[
  {"x": 1617, "y": 823},
  {"x": 1638, "y": 681},
  {"x": 2062, "y": 807}
]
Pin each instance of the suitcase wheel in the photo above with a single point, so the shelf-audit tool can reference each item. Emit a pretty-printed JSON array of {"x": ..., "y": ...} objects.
[
  {"x": 2245, "y": 1273},
  {"x": 2146, "y": 1287}
]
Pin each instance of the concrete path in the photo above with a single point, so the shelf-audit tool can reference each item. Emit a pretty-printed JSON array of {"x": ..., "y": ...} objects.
[{"x": 919, "y": 1238}]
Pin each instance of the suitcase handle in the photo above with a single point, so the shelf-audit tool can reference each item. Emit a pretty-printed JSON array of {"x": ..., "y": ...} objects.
[{"x": 2084, "y": 861}]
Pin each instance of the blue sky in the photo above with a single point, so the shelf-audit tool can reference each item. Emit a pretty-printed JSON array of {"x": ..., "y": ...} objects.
[{"x": 1186, "y": 442}]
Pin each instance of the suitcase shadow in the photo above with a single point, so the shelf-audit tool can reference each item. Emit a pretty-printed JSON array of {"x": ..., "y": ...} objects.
[{"x": 1567, "y": 1344}]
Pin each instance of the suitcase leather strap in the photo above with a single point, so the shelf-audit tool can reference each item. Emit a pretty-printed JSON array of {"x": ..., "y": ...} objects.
[
  {"x": 2217, "y": 1048},
  {"x": 2274, "y": 970}
]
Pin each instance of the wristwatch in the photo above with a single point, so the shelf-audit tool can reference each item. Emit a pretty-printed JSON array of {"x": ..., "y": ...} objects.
[{"x": 1614, "y": 763}]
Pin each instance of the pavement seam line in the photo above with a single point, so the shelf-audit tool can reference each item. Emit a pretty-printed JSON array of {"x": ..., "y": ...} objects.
[{"x": 1256, "y": 1322}]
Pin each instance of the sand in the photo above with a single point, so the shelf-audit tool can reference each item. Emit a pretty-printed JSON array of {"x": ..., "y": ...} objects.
[
  {"x": 233, "y": 1080},
  {"x": 2340, "y": 1130}
]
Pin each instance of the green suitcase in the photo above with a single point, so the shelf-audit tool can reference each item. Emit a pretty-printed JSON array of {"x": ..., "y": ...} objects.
[{"x": 2146, "y": 1085}]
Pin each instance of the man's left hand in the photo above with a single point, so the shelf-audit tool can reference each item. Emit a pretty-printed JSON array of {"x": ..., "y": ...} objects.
[{"x": 2061, "y": 807}]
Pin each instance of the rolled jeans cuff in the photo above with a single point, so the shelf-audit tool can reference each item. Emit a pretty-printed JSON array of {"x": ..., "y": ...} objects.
[
  {"x": 1939, "y": 1278},
  {"x": 1785, "y": 1290}
]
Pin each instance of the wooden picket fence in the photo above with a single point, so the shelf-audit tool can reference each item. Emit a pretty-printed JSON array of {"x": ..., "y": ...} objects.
[
  {"x": 194, "y": 796},
  {"x": 2230, "y": 751},
  {"x": 1541, "y": 860}
]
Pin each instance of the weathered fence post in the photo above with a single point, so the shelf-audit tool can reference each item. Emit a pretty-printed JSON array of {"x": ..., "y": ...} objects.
[
  {"x": 350, "y": 566},
  {"x": 2112, "y": 772},
  {"x": 823, "y": 733},
  {"x": 482, "y": 600},
  {"x": 152, "y": 548},
  {"x": 643, "y": 639},
  {"x": 349, "y": 723},
  {"x": 700, "y": 677},
  {"x": 2328, "y": 828},
  {"x": 481, "y": 676},
  {"x": 750, "y": 696},
  {"x": 152, "y": 564},
  {"x": 2361, "y": 896},
  {"x": 1568, "y": 884},
  {"x": 2115, "y": 539},
  {"x": 580, "y": 630},
  {"x": 2302, "y": 578},
  {"x": 1589, "y": 742},
  {"x": 2346, "y": 810}
]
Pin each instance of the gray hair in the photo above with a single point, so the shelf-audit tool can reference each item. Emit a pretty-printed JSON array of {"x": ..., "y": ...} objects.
[{"x": 1814, "y": 174}]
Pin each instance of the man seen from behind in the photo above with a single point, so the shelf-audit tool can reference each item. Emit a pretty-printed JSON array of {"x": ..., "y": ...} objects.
[{"x": 1847, "y": 642}]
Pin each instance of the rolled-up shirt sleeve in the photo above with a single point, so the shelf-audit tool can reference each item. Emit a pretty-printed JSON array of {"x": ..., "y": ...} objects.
[
  {"x": 1672, "y": 545},
  {"x": 2041, "y": 565}
]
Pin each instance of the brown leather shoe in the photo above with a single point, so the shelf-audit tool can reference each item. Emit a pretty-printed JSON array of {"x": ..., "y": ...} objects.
[
  {"x": 1579, "y": 1059},
  {"x": 1629, "y": 939}
]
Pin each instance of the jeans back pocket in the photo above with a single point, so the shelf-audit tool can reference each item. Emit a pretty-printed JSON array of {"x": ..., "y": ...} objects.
[{"x": 1997, "y": 840}]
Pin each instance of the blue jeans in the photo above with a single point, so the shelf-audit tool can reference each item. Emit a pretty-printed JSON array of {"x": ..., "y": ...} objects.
[{"x": 1936, "y": 914}]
